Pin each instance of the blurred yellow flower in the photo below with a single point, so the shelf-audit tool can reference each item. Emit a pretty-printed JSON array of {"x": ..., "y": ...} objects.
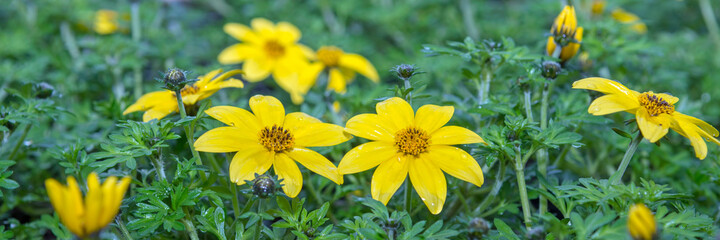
[
  {"x": 598, "y": 7},
  {"x": 633, "y": 20},
  {"x": 267, "y": 137},
  {"x": 266, "y": 49},
  {"x": 654, "y": 112},
  {"x": 342, "y": 67},
  {"x": 105, "y": 22},
  {"x": 101, "y": 204},
  {"x": 159, "y": 104},
  {"x": 566, "y": 34},
  {"x": 404, "y": 142},
  {"x": 641, "y": 222}
]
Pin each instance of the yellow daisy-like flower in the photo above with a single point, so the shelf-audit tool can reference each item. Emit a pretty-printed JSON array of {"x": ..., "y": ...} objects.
[
  {"x": 597, "y": 7},
  {"x": 655, "y": 112},
  {"x": 267, "y": 137},
  {"x": 342, "y": 67},
  {"x": 159, "y": 104},
  {"x": 641, "y": 222},
  {"x": 416, "y": 144},
  {"x": 633, "y": 20},
  {"x": 565, "y": 33},
  {"x": 105, "y": 22},
  {"x": 101, "y": 204},
  {"x": 266, "y": 48}
]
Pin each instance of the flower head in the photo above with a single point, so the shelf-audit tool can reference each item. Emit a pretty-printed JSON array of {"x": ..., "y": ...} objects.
[
  {"x": 267, "y": 137},
  {"x": 101, "y": 203},
  {"x": 655, "y": 112},
  {"x": 342, "y": 67},
  {"x": 641, "y": 222},
  {"x": 266, "y": 48},
  {"x": 416, "y": 144},
  {"x": 105, "y": 22},
  {"x": 159, "y": 104},
  {"x": 566, "y": 34},
  {"x": 631, "y": 19}
]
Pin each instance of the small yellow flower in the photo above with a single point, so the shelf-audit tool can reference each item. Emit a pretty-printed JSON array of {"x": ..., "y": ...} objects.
[
  {"x": 105, "y": 22},
  {"x": 342, "y": 67},
  {"x": 266, "y": 49},
  {"x": 416, "y": 144},
  {"x": 566, "y": 34},
  {"x": 267, "y": 137},
  {"x": 159, "y": 104},
  {"x": 631, "y": 19},
  {"x": 598, "y": 7},
  {"x": 655, "y": 112},
  {"x": 641, "y": 222},
  {"x": 101, "y": 204}
]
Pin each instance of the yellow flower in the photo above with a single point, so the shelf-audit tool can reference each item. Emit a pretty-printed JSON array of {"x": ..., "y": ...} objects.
[
  {"x": 101, "y": 204},
  {"x": 641, "y": 222},
  {"x": 159, "y": 104},
  {"x": 342, "y": 67},
  {"x": 297, "y": 84},
  {"x": 105, "y": 22},
  {"x": 655, "y": 112},
  {"x": 417, "y": 144},
  {"x": 598, "y": 7},
  {"x": 566, "y": 34},
  {"x": 266, "y": 48},
  {"x": 270, "y": 138},
  {"x": 633, "y": 20}
]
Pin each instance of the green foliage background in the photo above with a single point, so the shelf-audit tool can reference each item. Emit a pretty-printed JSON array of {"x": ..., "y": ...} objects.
[{"x": 80, "y": 128}]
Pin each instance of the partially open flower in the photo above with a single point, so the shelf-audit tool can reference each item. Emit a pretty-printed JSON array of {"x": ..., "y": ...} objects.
[
  {"x": 641, "y": 223},
  {"x": 565, "y": 34}
]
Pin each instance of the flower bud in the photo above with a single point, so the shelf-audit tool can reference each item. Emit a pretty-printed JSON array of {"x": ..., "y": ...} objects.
[
  {"x": 174, "y": 79},
  {"x": 641, "y": 223},
  {"x": 43, "y": 90},
  {"x": 405, "y": 71},
  {"x": 263, "y": 186},
  {"x": 478, "y": 227},
  {"x": 550, "y": 69}
]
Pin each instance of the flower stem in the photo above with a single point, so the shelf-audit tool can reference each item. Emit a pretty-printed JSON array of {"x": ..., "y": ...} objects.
[
  {"x": 189, "y": 132},
  {"x": 617, "y": 176},
  {"x": 159, "y": 168},
  {"x": 709, "y": 18},
  {"x": 520, "y": 173},
  {"x": 20, "y": 141},
  {"x": 258, "y": 227},
  {"x": 408, "y": 97},
  {"x": 235, "y": 203},
  {"x": 542, "y": 154},
  {"x": 408, "y": 196},
  {"x": 484, "y": 85},
  {"x": 135, "y": 28},
  {"x": 528, "y": 105},
  {"x": 190, "y": 228},
  {"x": 123, "y": 229}
]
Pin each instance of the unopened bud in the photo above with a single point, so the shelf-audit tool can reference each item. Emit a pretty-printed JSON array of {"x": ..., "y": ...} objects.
[
  {"x": 550, "y": 69},
  {"x": 405, "y": 71},
  {"x": 174, "y": 79},
  {"x": 263, "y": 186},
  {"x": 478, "y": 228},
  {"x": 43, "y": 90}
]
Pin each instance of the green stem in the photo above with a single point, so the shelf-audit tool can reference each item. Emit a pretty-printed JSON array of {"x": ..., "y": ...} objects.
[
  {"x": 123, "y": 229},
  {"x": 189, "y": 132},
  {"x": 542, "y": 154},
  {"x": 408, "y": 98},
  {"x": 499, "y": 177},
  {"x": 408, "y": 196},
  {"x": 235, "y": 203},
  {"x": 617, "y": 176},
  {"x": 469, "y": 19},
  {"x": 20, "y": 141},
  {"x": 190, "y": 228},
  {"x": 135, "y": 28},
  {"x": 520, "y": 173},
  {"x": 159, "y": 168},
  {"x": 709, "y": 18},
  {"x": 528, "y": 105},
  {"x": 485, "y": 85},
  {"x": 258, "y": 226},
  {"x": 462, "y": 199}
]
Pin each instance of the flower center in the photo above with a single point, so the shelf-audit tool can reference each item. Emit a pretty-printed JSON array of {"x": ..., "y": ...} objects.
[
  {"x": 274, "y": 49},
  {"x": 276, "y": 138},
  {"x": 412, "y": 141},
  {"x": 330, "y": 56},
  {"x": 655, "y": 105}
]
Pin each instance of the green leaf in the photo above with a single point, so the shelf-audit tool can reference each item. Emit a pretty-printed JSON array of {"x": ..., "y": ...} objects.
[
  {"x": 505, "y": 230},
  {"x": 8, "y": 184}
]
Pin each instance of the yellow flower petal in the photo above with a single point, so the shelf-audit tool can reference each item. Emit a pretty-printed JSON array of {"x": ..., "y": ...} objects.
[
  {"x": 388, "y": 177},
  {"x": 366, "y": 156},
  {"x": 611, "y": 103},
  {"x": 205, "y": 79},
  {"x": 151, "y": 100},
  {"x": 606, "y": 86},
  {"x": 452, "y": 135},
  {"x": 226, "y": 139},
  {"x": 691, "y": 132},
  {"x": 550, "y": 47},
  {"x": 336, "y": 81},
  {"x": 641, "y": 222},
  {"x": 429, "y": 183},
  {"x": 316, "y": 163},
  {"x": 370, "y": 126},
  {"x": 651, "y": 130},
  {"x": 456, "y": 162},
  {"x": 311, "y": 132},
  {"x": 288, "y": 171},
  {"x": 396, "y": 112},
  {"x": 700, "y": 123},
  {"x": 572, "y": 48},
  {"x": 241, "y": 32},
  {"x": 159, "y": 112},
  {"x": 57, "y": 194},
  {"x": 245, "y": 164},
  {"x": 667, "y": 97},
  {"x": 268, "y": 110},
  {"x": 75, "y": 207},
  {"x": 432, "y": 117},
  {"x": 287, "y": 33},
  {"x": 257, "y": 69},
  {"x": 109, "y": 201},
  {"x": 94, "y": 204},
  {"x": 236, "y": 117},
  {"x": 360, "y": 64}
]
